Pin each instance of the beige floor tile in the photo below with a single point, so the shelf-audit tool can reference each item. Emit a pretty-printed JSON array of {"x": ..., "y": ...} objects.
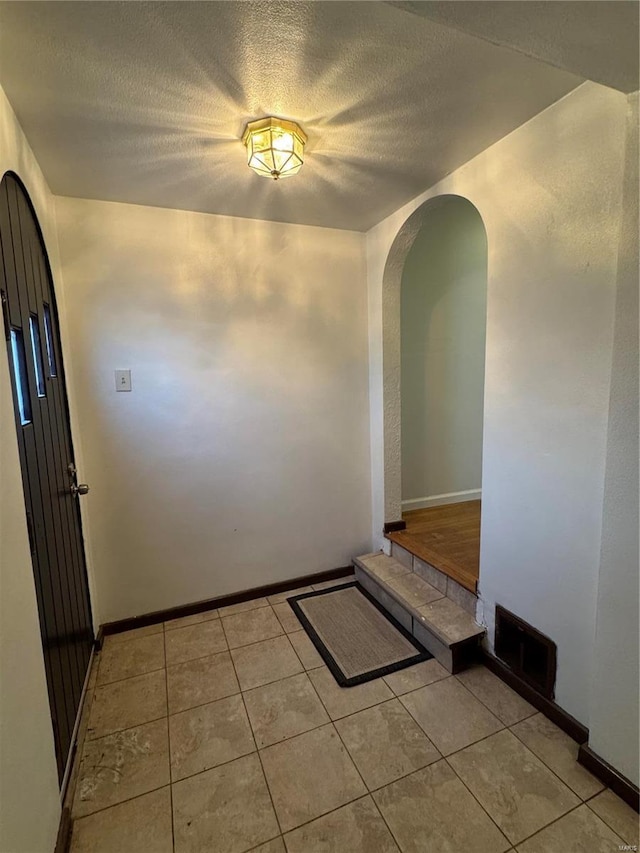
[
  {"x": 265, "y": 662},
  {"x": 431, "y": 811},
  {"x": 620, "y": 817},
  {"x": 306, "y": 651},
  {"x": 386, "y": 743},
  {"x": 309, "y": 775},
  {"x": 199, "y": 681},
  {"x": 412, "y": 677},
  {"x": 559, "y": 752},
  {"x": 287, "y": 617},
  {"x": 124, "y": 704},
  {"x": 282, "y": 596},
  {"x": 121, "y": 766},
  {"x": 450, "y": 715},
  {"x": 194, "y": 641},
  {"x": 499, "y": 698},
  {"x": 133, "y": 634},
  {"x": 134, "y": 657},
  {"x": 415, "y": 591},
  {"x": 580, "y": 831},
  {"x": 251, "y": 627},
  {"x": 329, "y": 584},
  {"x": 354, "y": 828},
  {"x": 203, "y": 737},
  {"x": 142, "y": 824},
  {"x": 231, "y": 609},
  {"x": 515, "y": 787},
  {"x": 284, "y": 709},
  {"x": 341, "y": 701},
  {"x": 194, "y": 619},
  {"x": 224, "y": 810}
]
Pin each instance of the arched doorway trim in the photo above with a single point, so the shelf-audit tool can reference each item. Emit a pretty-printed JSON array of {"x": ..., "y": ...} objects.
[{"x": 391, "y": 350}]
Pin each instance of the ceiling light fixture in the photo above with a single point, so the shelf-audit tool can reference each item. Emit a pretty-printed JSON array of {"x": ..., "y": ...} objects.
[{"x": 275, "y": 147}]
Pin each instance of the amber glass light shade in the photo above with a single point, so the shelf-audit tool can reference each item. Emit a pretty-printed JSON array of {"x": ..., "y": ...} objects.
[{"x": 275, "y": 147}]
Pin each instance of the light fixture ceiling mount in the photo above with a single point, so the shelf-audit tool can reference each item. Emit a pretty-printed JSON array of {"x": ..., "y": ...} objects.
[{"x": 275, "y": 147}]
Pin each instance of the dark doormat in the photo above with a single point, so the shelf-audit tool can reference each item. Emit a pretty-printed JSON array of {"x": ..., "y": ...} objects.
[{"x": 357, "y": 638}]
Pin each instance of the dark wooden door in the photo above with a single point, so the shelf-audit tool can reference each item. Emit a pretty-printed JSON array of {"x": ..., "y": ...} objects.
[{"x": 46, "y": 456}]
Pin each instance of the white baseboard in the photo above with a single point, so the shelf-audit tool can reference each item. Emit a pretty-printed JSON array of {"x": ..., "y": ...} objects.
[{"x": 441, "y": 500}]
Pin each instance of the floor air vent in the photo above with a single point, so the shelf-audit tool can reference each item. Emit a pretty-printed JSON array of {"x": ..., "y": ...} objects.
[{"x": 528, "y": 653}]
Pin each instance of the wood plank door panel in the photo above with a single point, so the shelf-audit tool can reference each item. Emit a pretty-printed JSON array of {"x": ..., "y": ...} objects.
[{"x": 46, "y": 454}]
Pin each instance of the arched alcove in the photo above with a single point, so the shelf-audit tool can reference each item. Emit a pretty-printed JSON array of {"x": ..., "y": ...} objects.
[
  {"x": 418, "y": 223},
  {"x": 443, "y": 334}
]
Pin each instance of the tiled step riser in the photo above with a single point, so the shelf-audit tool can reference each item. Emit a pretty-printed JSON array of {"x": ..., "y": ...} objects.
[
  {"x": 443, "y": 654},
  {"x": 446, "y": 585},
  {"x": 382, "y": 597},
  {"x": 451, "y": 634}
]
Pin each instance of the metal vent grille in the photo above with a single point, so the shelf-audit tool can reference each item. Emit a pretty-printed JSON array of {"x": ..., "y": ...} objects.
[{"x": 528, "y": 653}]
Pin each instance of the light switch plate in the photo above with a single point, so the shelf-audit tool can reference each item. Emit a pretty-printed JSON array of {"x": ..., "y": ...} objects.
[{"x": 123, "y": 380}]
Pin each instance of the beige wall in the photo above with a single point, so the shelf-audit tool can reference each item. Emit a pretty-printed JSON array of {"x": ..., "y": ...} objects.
[
  {"x": 241, "y": 457},
  {"x": 29, "y": 798},
  {"x": 614, "y": 701},
  {"x": 443, "y": 325},
  {"x": 549, "y": 195}
]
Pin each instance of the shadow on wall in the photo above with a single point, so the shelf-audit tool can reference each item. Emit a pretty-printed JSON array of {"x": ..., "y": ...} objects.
[{"x": 443, "y": 334}]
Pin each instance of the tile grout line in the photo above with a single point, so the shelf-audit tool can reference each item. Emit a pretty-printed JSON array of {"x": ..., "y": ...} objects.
[
  {"x": 455, "y": 751},
  {"x": 484, "y": 810},
  {"x": 384, "y": 820},
  {"x": 264, "y": 775},
  {"x": 346, "y": 749},
  {"x": 166, "y": 688},
  {"x": 612, "y": 828},
  {"x": 121, "y": 802},
  {"x": 550, "y": 769},
  {"x": 190, "y": 625},
  {"x": 137, "y": 675},
  {"x": 556, "y": 820},
  {"x": 482, "y": 702},
  {"x": 367, "y": 789}
]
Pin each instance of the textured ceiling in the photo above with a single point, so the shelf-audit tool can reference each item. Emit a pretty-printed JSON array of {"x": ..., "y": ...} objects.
[
  {"x": 597, "y": 39},
  {"x": 145, "y": 102}
]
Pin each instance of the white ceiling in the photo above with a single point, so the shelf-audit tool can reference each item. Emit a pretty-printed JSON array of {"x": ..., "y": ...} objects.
[
  {"x": 598, "y": 39},
  {"x": 145, "y": 102}
]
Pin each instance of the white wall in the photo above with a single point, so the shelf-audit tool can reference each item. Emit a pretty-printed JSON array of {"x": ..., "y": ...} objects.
[
  {"x": 549, "y": 196},
  {"x": 615, "y": 688},
  {"x": 241, "y": 457},
  {"x": 443, "y": 325},
  {"x": 29, "y": 797}
]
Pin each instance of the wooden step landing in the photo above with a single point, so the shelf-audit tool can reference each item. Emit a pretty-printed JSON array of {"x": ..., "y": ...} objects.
[
  {"x": 447, "y": 538},
  {"x": 444, "y": 627}
]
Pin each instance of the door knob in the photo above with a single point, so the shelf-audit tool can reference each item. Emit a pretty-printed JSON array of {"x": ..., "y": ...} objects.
[{"x": 79, "y": 490}]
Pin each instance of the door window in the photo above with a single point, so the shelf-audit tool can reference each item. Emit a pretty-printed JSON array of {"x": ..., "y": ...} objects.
[{"x": 19, "y": 363}]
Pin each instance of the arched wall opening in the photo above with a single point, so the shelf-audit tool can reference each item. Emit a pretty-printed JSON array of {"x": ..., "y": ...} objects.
[
  {"x": 443, "y": 310},
  {"x": 459, "y": 216}
]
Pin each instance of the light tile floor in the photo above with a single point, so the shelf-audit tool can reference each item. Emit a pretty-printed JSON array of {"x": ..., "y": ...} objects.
[{"x": 225, "y": 733}]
